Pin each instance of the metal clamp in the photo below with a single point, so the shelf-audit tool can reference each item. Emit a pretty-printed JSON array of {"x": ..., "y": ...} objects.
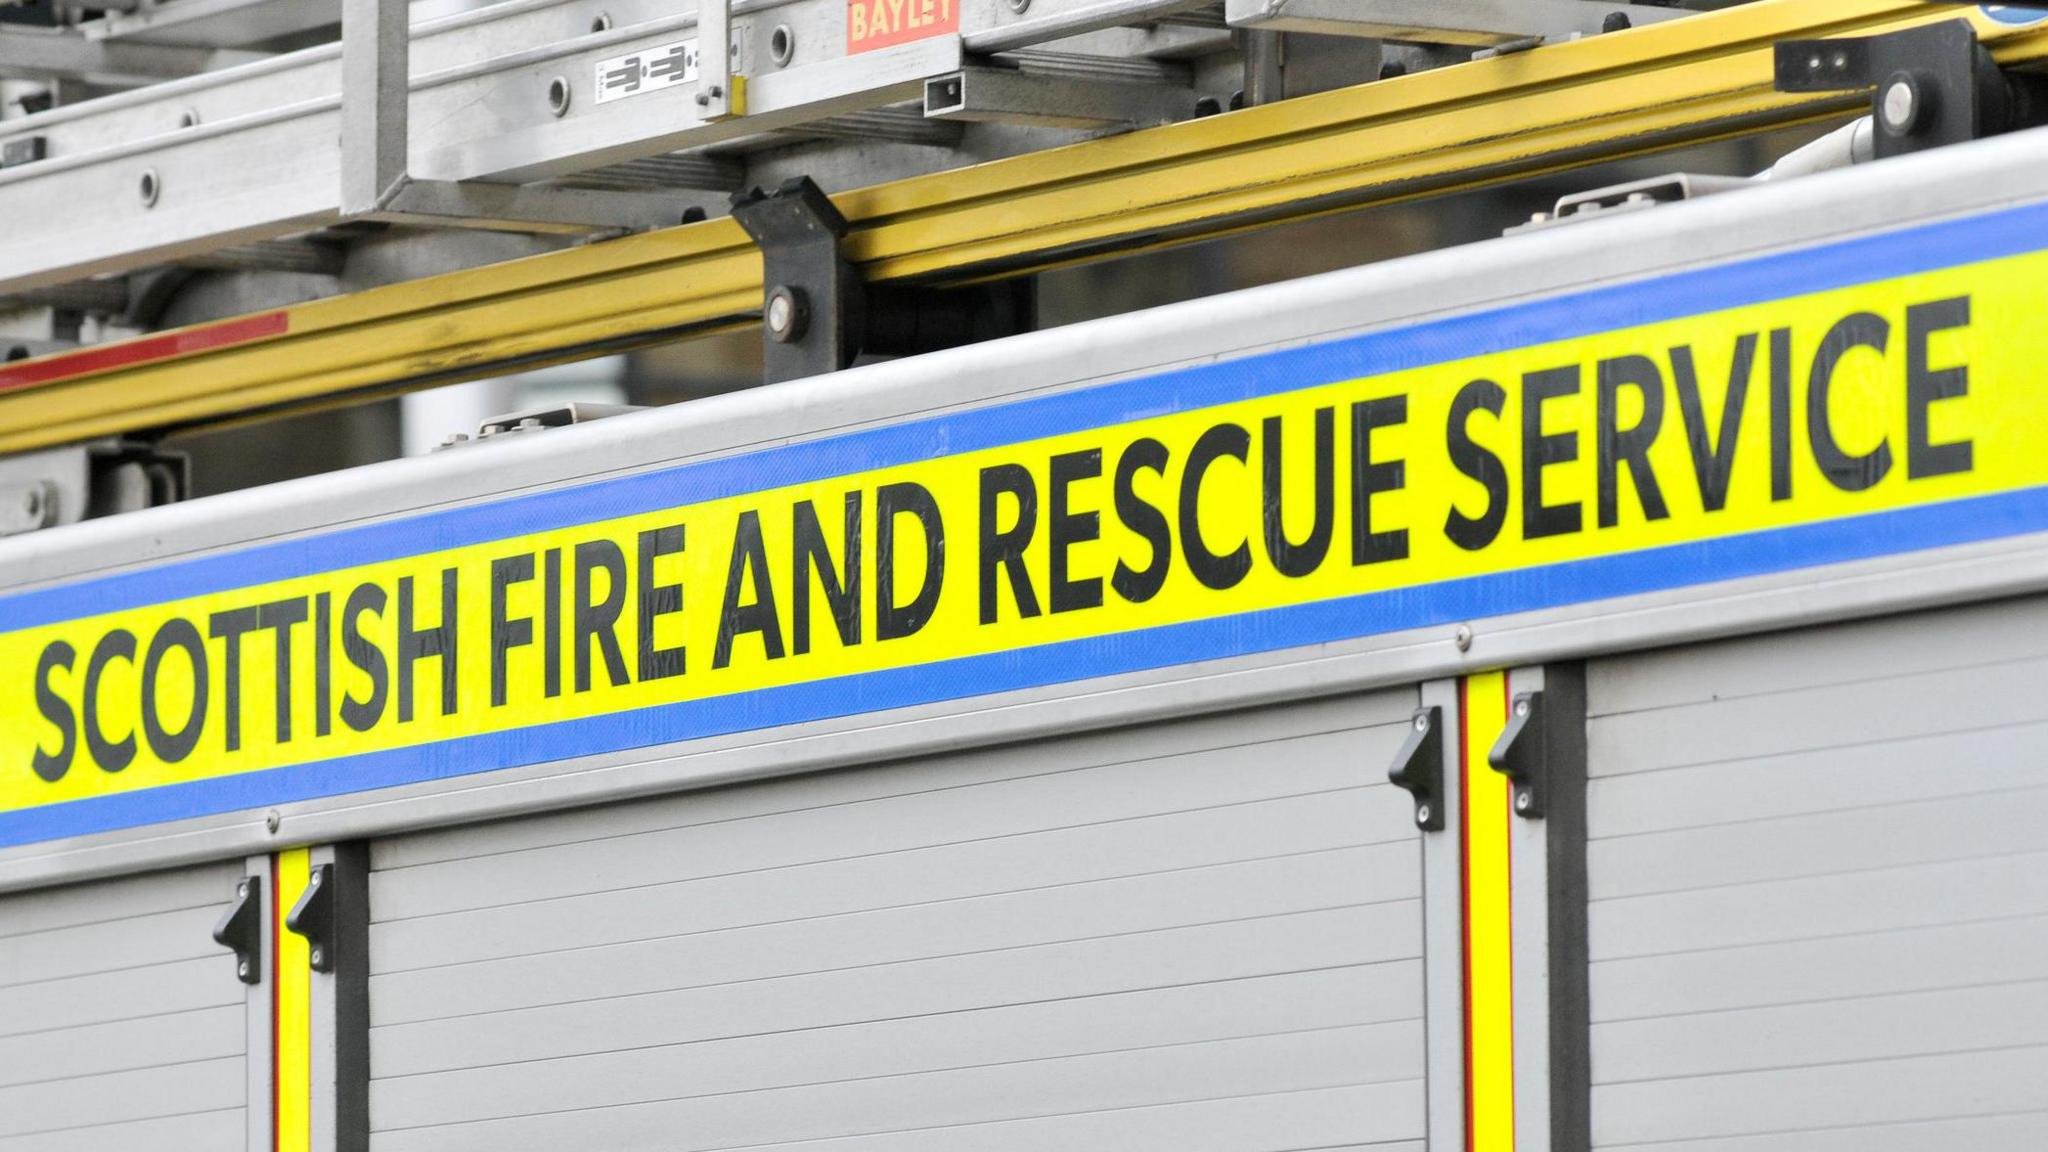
[
  {"x": 1932, "y": 85},
  {"x": 313, "y": 917},
  {"x": 1418, "y": 767},
  {"x": 1522, "y": 754},
  {"x": 817, "y": 312},
  {"x": 241, "y": 929}
]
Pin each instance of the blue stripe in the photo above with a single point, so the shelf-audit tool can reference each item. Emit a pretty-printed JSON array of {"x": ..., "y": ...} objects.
[
  {"x": 1943, "y": 245},
  {"x": 1675, "y": 566}
]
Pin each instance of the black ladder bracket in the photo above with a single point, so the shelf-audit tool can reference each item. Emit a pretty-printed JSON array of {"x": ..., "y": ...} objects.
[
  {"x": 313, "y": 917},
  {"x": 1522, "y": 754},
  {"x": 1418, "y": 767},
  {"x": 818, "y": 314},
  {"x": 241, "y": 929},
  {"x": 1931, "y": 85}
]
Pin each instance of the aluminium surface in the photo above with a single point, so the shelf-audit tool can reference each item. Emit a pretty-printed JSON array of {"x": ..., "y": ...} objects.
[
  {"x": 251, "y": 152},
  {"x": 1702, "y": 77},
  {"x": 1882, "y": 236}
]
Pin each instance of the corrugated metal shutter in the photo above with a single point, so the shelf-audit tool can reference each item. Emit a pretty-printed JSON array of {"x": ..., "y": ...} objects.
[
  {"x": 122, "y": 1024},
  {"x": 1200, "y": 935},
  {"x": 1819, "y": 883}
]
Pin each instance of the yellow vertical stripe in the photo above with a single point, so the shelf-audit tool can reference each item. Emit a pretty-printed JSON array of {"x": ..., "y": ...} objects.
[
  {"x": 1489, "y": 974},
  {"x": 294, "y": 1008}
]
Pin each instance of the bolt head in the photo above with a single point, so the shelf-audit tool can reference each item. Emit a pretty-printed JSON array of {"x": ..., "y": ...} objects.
[
  {"x": 1422, "y": 813},
  {"x": 1900, "y": 105},
  {"x": 1522, "y": 801},
  {"x": 787, "y": 314}
]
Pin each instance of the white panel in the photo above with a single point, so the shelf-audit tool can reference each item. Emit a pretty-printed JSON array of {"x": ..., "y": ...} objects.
[
  {"x": 1819, "y": 876},
  {"x": 1102, "y": 936}
]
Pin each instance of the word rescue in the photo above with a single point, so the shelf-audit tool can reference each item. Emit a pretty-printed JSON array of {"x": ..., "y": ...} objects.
[
  {"x": 1767, "y": 417},
  {"x": 872, "y": 24}
]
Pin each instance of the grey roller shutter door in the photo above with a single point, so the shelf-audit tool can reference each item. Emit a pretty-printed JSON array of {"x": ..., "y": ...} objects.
[
  {"x": 1819, "y": 889},
  {"x": 1188, "y": 936},
  {"x": 122, "y": 1024}
]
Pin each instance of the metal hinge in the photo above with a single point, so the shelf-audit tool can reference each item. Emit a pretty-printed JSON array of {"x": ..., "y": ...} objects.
[
  {"x": 241, "y": 929},
  {"x": 1523, "y": 754},
  {"x": 1418, "y": 767},
  {"x": 313, "y": 917}
]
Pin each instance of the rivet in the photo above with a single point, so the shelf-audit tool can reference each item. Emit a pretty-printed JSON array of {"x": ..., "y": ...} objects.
[
  {"x": 271, "y": 820},
  {"x": 1522, "y": 801},
  {"x": 1463, "y": 637},
  {"x": 1422, "y": 813}
]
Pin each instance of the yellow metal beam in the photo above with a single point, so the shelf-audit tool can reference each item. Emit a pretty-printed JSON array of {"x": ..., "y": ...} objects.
[{"x": 1565, "y": 105}]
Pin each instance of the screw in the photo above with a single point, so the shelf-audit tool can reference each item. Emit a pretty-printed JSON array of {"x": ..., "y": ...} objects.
[
  {"x": 313, "y": 881},
  {"x": 1422, "y": 722},
  {"x": 317, "y": 956},
  {"x": 271, "y": 820},
  {"x": 1522, "y": 706},
  {"x": 787, "y": 314},
  {"x": 1522, "y": 801},
  {"x": 1463, "y": 638},
  {"x": 242, "y": 889},
  {"x": 242, "y": 969},
  {"x": 1422, "y": 813}
]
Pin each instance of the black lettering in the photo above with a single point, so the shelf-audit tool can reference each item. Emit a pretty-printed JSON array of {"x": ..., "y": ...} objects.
[
  {"x": 110, "y": 755},
  {"x": 894, "y": 620},
  {"x": 1475, "y": 532},
  {"x": 1925, "y": 386},
  {"x": 1002, "y": 549},
  {"x": 506, "y": 634},
  {"x": 1289, "y": 557},
  {"x": 749, "y": 564},
  {"x": 840, "y": 585},
  {"x": 1781, "y": 414},
  {"x": 1371, "y": 477},
  {"x": 1540, "y": 450},
  {"x": 597, "y": 620},
  {"x": 415, "y": 644},
  {"x": 229, "y": 627},
  {"x": 658, "y": 600},
  {"x": 1630, "y": 447},
  {"x": 1218, "y": 570},
  {"x": 362, "y": 715},
  {"x": 1064, "y": 529},
  {"x": 323, "y": 655},
  {"x": 1844, "y": 471},
  {"x": 166, "y": 745},
  {"x": 551, "y": 623},
  {"x": 279, "y": 616},
  {"x": 1138, "y": 585},
  {"x": 57, "y": 710},
  {"x": 1713, "y": 454}
]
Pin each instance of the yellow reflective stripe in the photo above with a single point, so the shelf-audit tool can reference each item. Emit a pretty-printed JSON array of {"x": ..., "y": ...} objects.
[
  {"x": 293, "y": 1008},
  {"x": 1489, "y": 970}
]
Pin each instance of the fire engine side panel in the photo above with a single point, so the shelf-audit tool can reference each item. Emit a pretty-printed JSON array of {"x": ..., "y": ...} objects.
[
  {"x": 1819, "y": 888},
  {"x": 1201, "y": 934},
  {"x": 122, "y": 1024}
]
